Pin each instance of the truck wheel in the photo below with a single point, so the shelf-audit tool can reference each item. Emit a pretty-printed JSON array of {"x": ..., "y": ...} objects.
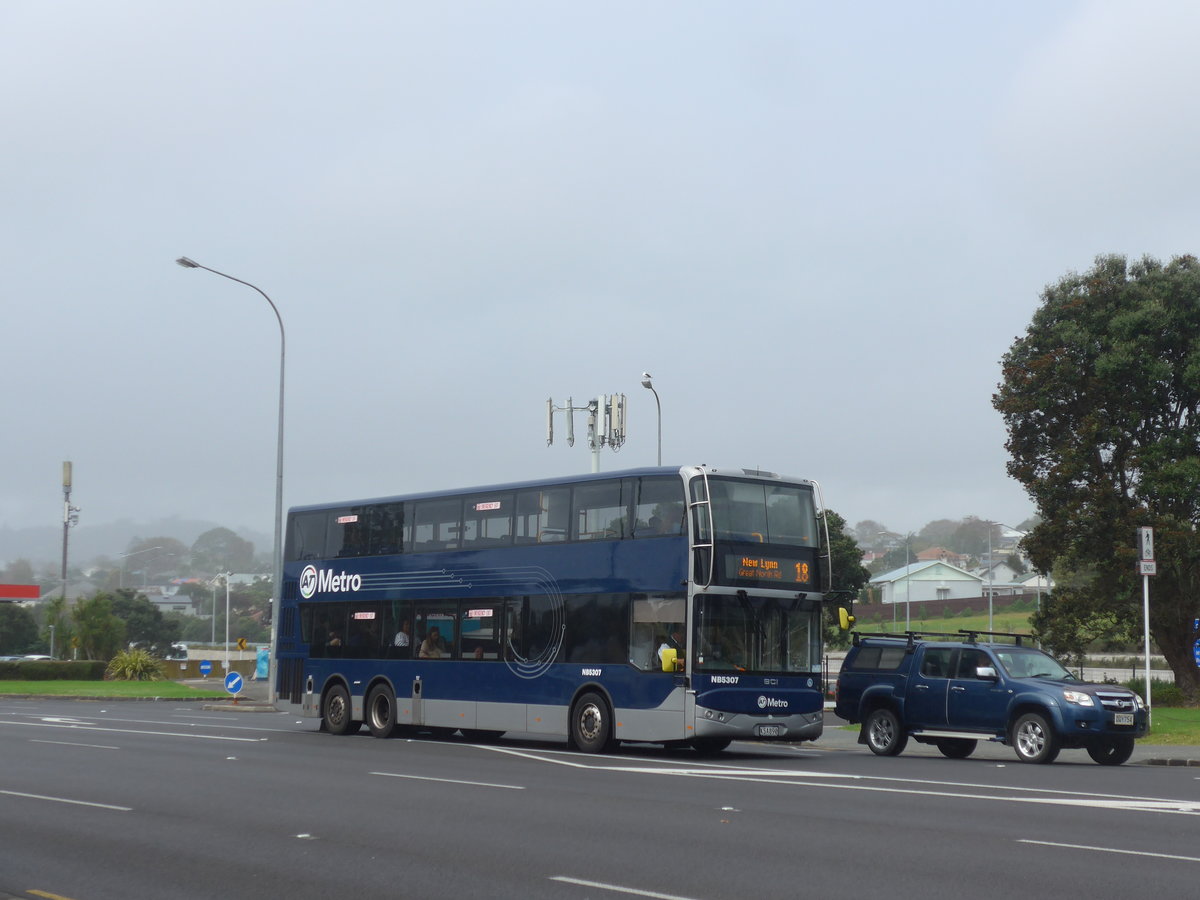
[
  {"x": 1111, "y": 751},
  {"x": 1034, "y": 740},
  {"x": 956, "y": 748},
  {"x": 885, "y": 737}
]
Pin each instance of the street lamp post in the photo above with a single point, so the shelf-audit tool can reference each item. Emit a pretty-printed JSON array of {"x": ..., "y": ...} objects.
[
  {"x": 125, "y": 556},
  {"x": 277, "y": 562},
  {"x": 646, "y": 383}
]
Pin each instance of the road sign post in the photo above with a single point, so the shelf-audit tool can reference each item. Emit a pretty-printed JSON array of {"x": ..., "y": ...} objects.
[
  {"x": 234, "y": 684},
  {"x": 1146, "y": 567}
]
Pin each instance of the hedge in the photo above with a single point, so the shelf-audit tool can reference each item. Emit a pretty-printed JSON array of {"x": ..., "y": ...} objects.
[{"x": 52, "y": 670}]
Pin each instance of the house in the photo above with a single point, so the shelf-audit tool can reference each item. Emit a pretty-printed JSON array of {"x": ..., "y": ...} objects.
[
  {"x": 922, "y": 582},
  {"x": 941, "y": 554}
]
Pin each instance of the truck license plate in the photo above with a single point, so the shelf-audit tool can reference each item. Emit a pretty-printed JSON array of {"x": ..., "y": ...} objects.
[
  {"x": 1122, "y": 718},
  {"x": 770, "y": 730}
]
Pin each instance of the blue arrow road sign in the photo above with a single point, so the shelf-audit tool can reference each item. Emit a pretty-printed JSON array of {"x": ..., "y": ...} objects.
[
  {"x": 205, "y": 666},
  {"x": 233, "y": 683}
]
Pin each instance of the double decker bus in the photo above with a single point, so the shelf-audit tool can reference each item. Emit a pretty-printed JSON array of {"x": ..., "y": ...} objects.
[{"x": 659, "y": 604}]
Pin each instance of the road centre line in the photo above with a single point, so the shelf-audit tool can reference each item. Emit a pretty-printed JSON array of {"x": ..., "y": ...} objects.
[
  {"x": 199, "y": 737},
  {"x": 67, "y": 800},
  {"x": 74, "y": 744},
  {"x": 1195, "y": 859},
  {"x": 616, "y": 888},
  {"x": 507, "y": 787}
]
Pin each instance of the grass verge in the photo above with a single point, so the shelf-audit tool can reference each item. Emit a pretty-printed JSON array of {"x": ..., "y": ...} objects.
[
  {"x": 1174, "y": 725},
  {"x": 144, "y": 690}
]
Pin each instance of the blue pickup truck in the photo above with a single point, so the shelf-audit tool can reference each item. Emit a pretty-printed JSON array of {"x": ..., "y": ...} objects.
[{"x": 955, "y": 693}]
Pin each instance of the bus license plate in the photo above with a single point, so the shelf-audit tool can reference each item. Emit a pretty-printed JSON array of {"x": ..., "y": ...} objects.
[
  {"x": 770, "y": 731},
  {"x": 1122, "y": 718}
]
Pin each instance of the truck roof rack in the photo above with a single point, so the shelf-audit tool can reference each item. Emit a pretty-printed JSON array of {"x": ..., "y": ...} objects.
[
  {"x": 972, "y": 636},
  {"x": 969, "y": 636},
  {"x": 911, "y": 637}
]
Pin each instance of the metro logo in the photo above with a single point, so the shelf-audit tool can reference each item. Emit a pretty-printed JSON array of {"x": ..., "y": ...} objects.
[{"x": 327, "y": 581}]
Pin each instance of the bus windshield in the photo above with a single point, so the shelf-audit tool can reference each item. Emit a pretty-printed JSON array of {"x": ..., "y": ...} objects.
[
  {"x": 762, "y": 512},
  {"x": 747, "y": 633}
]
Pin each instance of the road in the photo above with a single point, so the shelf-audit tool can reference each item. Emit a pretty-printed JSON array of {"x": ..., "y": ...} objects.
[{"x": 172, "y": 800}]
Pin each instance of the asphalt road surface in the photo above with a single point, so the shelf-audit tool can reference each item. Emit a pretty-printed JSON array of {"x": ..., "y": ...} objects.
[{"x": 165, "y": 800}]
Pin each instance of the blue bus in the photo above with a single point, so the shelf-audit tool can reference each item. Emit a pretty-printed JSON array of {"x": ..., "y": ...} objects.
[{"x": 667, "y": 605}]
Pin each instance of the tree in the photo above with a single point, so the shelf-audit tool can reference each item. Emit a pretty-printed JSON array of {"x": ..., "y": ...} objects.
[
  {"x": 152, "y": 558},
  {"x": 144, "y": 623},
  {"x": 848, "y": 574},
  {"x": 18, "y": 630},
  {"x": 1101, "y": 401},
  {"x": 221, "y": 550},
  {"x": 19, "y": 571},
  {"x": 101, "y": 634},
  {"x": 870, "y": 533}
]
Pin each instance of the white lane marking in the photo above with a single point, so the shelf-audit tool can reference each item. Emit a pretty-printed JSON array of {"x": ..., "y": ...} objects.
[
  {"x": 198, "y": 737},
  {"x": 507, "y": 787},
  {"x": 1195, "y": 859},
  {"x": 835, "y": 781},
  {"x": 66, "y": 800},
  {"x": 73, "y": 744},
  {"x": 616, "y": 888}
]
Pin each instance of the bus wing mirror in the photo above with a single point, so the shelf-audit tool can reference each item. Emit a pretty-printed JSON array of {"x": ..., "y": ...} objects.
[
  {"x": 670, "y": 660},
  {"x": 845, "y": 619}
]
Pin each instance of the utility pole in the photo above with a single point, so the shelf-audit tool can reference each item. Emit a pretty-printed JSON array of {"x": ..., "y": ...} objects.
[{"x": 70, "y": 517}]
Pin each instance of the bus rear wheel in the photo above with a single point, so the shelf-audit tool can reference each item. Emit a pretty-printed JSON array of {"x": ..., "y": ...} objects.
[
  {"x": 381, "y": 711},
  {"x": 591, "y": 729},
  {"x": 336, "y": 711}
]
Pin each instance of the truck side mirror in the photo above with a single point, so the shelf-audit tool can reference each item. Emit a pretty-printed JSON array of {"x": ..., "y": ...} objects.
[{"x": 987, "y": 673}]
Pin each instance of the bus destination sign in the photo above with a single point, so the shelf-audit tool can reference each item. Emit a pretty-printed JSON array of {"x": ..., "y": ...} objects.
[{"x": 756, "y": 567}]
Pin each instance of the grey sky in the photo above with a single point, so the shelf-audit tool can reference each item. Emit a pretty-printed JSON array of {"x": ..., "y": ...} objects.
[{"x": 818, "y": 226}]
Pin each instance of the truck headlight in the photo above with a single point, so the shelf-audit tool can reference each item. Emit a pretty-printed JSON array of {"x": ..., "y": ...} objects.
[
  {"x": 1138, "y": 701},
  {"x": 1078, "y": 698}
]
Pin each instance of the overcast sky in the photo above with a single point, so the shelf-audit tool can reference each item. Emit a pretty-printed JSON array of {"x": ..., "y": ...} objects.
[{"x": 818, "y": 226}]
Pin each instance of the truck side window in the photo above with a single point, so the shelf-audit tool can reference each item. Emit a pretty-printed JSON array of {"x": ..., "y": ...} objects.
[
  {"x": 969, "y": 661},
  {"x": 937, "y": 662}
]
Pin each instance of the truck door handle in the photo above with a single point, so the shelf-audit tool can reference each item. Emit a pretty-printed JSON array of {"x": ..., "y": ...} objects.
[
  {"x": 958, "y": 688},
  {"x": 920, "y": 687}
]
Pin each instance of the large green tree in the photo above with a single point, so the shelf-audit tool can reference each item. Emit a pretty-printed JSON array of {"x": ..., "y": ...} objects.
[
  {"x": 101, "y": 633},
  {"x": 18, "y": 630},
  {"x": 221, "y": 550},
  {"x": 1101, "y": 399},
  {"x": 144, "y": 622}
]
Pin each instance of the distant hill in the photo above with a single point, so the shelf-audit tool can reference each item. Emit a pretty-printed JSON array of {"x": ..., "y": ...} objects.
[{"x": 43, "y": 545}]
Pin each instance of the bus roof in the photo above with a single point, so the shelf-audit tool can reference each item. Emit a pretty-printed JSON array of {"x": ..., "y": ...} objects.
[{"x": 549, "y": 482}]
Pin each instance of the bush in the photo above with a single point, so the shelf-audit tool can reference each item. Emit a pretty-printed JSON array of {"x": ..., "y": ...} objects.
[
  {"x": 51, "y": 670},
  {"x": 135, "y": 665},
  {"x": 1166, "y": 693}
]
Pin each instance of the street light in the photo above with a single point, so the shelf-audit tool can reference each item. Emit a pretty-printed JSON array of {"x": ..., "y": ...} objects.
[
  {"x": 277, "y": 562},
  {"x": 125, "y": 556},
  {"x": 650, "y": 387}
]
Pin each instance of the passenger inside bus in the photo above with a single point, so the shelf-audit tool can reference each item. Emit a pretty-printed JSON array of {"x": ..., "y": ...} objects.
[{"x": 431, "y": 647}]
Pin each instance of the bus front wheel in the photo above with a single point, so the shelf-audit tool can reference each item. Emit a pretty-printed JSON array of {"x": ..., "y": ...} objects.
[
  {"x": 381, "y": 711},
  {"x": 591, "y": 729},
  {"x": 337, "y": 711}
]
